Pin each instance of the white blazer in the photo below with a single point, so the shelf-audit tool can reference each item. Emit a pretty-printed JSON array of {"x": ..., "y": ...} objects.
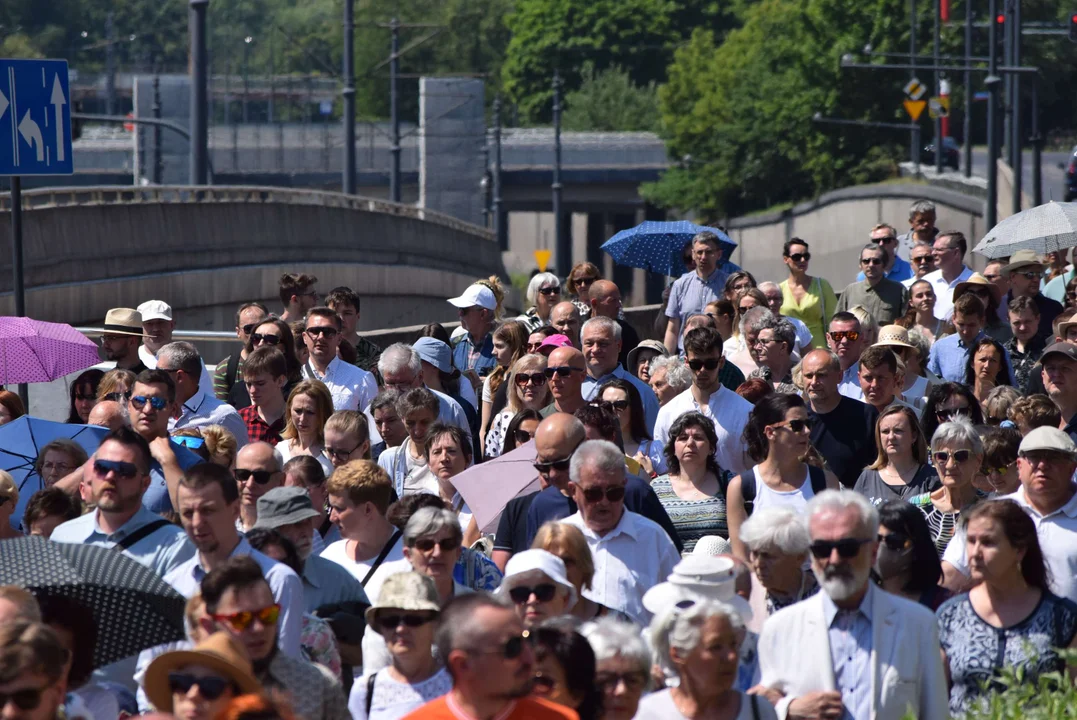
[{"x": 906, "y": 664}]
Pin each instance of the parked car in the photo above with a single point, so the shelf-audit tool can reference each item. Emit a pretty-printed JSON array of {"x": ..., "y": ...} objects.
[
  {"x": 951, "y": 153},
  {"x": 1070, "y": 191}
]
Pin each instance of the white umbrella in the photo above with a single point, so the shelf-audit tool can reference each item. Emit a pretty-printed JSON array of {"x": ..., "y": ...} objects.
[{"x": 1042, "y": 229}]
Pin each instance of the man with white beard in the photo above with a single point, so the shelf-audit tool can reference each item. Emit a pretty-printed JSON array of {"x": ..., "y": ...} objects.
[{"x": 851, "y": 650}]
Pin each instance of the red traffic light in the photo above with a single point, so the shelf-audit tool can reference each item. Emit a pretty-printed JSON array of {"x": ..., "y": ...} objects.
[{"x": 1001, "y": 19}]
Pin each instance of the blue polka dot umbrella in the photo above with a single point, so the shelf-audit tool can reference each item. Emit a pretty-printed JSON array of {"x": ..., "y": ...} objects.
[{"x": 657, "y": 246}]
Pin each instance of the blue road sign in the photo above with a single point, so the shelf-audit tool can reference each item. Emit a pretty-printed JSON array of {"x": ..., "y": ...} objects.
[{"x": 35, "y": 118}]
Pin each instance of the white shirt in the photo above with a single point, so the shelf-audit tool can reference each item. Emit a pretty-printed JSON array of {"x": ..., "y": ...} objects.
[
  {"x": 944, "y": 291},
  {"x": 726, "y": 409},
  {"x": 352, "y": 387},
  {"x": 1058, "y": 541},
  {"x": 338, "y": 553},
  {"x": 287, "y": 453},
  {"x": 205, "y": 409},
  {"x": 150, "y": 361},
  {"x": 850, "y": 383},
  {"x": 634, "y": 556},
  {"x": 795, "y": 500}
]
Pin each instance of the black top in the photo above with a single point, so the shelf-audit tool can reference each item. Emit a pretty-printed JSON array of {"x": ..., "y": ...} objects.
[
  {"x": 629, "y": 340},
  {"x": 845, "y": 437},
  {"x": 512, "y": 528}
]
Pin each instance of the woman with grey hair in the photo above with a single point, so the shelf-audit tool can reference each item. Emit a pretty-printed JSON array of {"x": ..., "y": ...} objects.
[
  {"x": 956, "y": 453},
  {"x": 777, "y": 542},
  {"x": 623, "y": 666},
  {"x": 701, "y": 646},
  {"x": 670, "y": 377},
  {"x": 543, "y": 292},
  {"x": 770, "y": 342}
]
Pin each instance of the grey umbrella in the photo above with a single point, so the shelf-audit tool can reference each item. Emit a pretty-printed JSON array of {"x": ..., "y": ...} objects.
[
  {"x": 1042, "y": 229},
  {"x": 133, "y": 607}
]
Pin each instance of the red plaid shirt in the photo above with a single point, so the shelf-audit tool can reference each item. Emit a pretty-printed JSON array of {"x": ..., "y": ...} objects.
[{"x": 257, "y": 430}]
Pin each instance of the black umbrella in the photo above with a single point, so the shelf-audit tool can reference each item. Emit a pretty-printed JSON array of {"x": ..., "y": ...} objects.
[{"x": 133, "y": 607}]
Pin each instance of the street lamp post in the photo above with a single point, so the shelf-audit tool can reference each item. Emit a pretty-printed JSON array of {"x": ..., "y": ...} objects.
[
  {"x": 992, "y": 82},
  {"x": 564, "y": 252},
  {"x": 348, "y": 95},
  {"x": 196, "y": 16},
  {"x": 394, "y": 110}
]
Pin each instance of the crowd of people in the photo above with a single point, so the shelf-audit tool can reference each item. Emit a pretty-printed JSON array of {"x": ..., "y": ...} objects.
[{"x": 800, "y": 503}]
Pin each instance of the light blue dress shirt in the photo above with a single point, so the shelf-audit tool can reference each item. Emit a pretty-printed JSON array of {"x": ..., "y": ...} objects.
[
  {"x": 650, "y": 400},
  {"x": 163, "y": 550},
  {"x": 690, "y": 294},
  {"x": 286, "y": 586},
  {"x": 326, "y": 583},
  {"x": 851, "y": 642},
  {"x": 950, "y": 355},
  {"x": 156, "y": 497},
  {"x": 900, "y": 271},
  {"x": 850, "y": 383}
]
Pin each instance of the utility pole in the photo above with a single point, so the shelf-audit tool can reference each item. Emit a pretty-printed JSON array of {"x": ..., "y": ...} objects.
[
  {"x": 158, "y": 166},
  {"x": 110, "y": 66},
  {"x": 564, "y": 249},
  {"x": 246, "y": 77},
  {"x": 348, "y": 94},
  {"x": 914, "y": 140},
  {"x": 1006, "y": 141},
  {"x": 499, "y": 226},
  {"x": 938, "y": 87},
  {"x": 1037, "y": 147},
  {"x": 1017, "y": 141},
  {"x": 394, "y": 110},
  {"x": 967, "y": 120},
  {"x": 992, "y": 82},
  {"x": 196, "y": 18}
]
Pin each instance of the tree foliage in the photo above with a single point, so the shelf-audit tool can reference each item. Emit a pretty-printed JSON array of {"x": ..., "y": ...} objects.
[{"x": 609, "y": 101}]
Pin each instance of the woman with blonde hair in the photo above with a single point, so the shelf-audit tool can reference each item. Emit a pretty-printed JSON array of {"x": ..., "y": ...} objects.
[
  {"x": 309, "y": 406},
  {"x": 869, "y": 328},
  {"x": 527, "y": 390},
  {"x": 901, "y": 468},
  {"x": 221, "y": 445},
  {"x": 510, "y": 344},
  {"x": 9, "y": 499},
  {"x": 569, "y": 544},
  {"x": 116, "y": 386}
]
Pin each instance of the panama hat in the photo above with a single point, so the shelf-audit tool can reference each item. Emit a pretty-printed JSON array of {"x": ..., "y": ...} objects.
[{"x": 220, "y": 652}]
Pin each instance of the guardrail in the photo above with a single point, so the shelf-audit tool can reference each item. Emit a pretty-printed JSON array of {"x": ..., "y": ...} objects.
[{"x": 96, "y": 332}]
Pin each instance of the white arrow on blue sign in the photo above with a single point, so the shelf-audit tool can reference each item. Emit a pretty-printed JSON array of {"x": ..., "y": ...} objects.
[{"x": 35, "y": 118}]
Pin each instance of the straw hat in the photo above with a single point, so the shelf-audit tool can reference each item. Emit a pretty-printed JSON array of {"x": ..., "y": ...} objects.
[
  {"x": 979, "y": 281},
  {"x": 220, "y": 652},
  {"x": 893, "y": 335},
  {"x": 123, "y": 321}
]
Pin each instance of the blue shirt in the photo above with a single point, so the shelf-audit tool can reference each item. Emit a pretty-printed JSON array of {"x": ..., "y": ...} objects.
[
  {"x": 689, "y": 295},
  {"x": 950, "y": 355},
  {"x": 285, "y": 584},
  {"x": 162, "y": 550},
  {"x": 849, "y": 632},
  {"x": 156, "y": 496},
  {"x": 650, "y": 400},
  {"x": 483, "y": 364},
  {"x": 901, "y": 270},
  {"x": 327, "y": 583}
]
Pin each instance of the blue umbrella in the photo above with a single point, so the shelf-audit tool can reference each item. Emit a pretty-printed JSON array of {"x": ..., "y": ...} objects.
[{"x": 657, "y": 246}]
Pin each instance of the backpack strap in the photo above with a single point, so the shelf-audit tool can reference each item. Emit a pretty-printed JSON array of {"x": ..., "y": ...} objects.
[
  {"x": 370, "y": 692},
  {"x": 143, "y": 532},
  {"x": 747, "y": 490},
  {"x": 817, "y": 478},
  {"x": 232, "y": 370}
]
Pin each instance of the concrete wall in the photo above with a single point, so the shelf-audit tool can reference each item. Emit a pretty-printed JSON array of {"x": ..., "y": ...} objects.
[{"x": 451, "y": 141}]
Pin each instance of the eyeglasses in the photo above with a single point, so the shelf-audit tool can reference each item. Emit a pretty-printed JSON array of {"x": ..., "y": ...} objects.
[
  {"x": 839, "y": 335},
  {"x": 267, "y": 338},
  {"x": 763, "y": 341},
  {"x": 210, "y": 687},
  {"x": 446, "y": 544},
  {"x": 846, "y": 547},
  {"x": 327, "y": 331},
  {"x": 523, "y": 379},
  {"x": 261, "y": 477},
  {"x": 797, "y": 426},
  {"x": 615, "y": 405},
  {"x": 709, "y": 363},
  {"x": 123, "y": 469},
  {"x": 560, "y": 465},
  {"x": 157, "y": 403},
  {"x": 118, "y": 396},
  {"x": 920, "y": 260},
  {"x": 800, "y": 257},
  {"x": 562, "y": 371},
  {"x": 1032, "y": 274},
  {"x": 947, "y": 414},
  {"x": 632, "y": 681},
  {"x": 885, "y": 239},
  {"x": 871, "y": 261},
  {"x": 522, "y": 436},
  {"x": 510, "y": 649},
  {"x": 533, "y": 347},
  {"x": 189, "y": 442},
  {"x": 50, "y": 466},
  {"x": 895, "y": 541},
  {"x": 344, "y": 454},
  {"x": 941, "y": 457},
  {"x": 550, "y": 291},
  {"x": 595, "y": 495},
  {"x": 997, "y": 470},
  {"x": 392, "y": 622},
  {"x": 543, "y": 593},
  {"x": 240, "y": 621},
  {"x": 27, "y": 699},
  {"x": 583, "y": 281}
]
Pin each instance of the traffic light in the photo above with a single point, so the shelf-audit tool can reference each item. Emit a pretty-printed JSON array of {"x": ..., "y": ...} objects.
[{"x": 1073, "y": 27}]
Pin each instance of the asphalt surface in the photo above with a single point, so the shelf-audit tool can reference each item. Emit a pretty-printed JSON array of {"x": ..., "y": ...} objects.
[{"x": 1053, "y": 176}]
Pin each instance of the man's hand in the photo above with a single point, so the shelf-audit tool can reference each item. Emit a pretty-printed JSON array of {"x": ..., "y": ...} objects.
[
  {"x": 817, "y": 706},
  {"x": 161, "y": 449}
]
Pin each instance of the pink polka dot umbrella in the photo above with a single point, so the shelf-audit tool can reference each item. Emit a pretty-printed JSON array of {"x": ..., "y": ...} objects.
[{"x": 35, "y": 351}]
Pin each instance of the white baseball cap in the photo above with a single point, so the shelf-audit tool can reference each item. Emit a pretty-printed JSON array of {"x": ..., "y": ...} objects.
[
  {"x": 476, "y": 294},
  {"x": 155, "y": 310}
]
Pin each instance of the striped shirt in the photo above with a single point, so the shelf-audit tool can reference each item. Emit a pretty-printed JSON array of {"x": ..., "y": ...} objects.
[
  {"x": 690, "y": 294},
  {"x": 692, "y": 518}
]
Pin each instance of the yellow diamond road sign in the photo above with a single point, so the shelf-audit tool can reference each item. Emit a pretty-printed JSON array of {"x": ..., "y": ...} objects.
[
  {"x": 542, "y": 257},
  {"x": 914, "y": 89},
  {"x": 939, "y": 107},
  {"x": 914, "y": 108}
]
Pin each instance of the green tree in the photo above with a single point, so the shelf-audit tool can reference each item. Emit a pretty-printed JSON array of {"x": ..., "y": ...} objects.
[{"x": 610, "y": 101}]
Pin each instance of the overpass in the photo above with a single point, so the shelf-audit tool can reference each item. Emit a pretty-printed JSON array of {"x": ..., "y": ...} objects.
[{"x": 206, "y": 250}]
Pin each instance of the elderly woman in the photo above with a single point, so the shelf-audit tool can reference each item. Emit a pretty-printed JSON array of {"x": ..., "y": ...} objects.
[
  {"x": 567, "y": 543},
  {"x": 901, "y": 467},
  {"x": 58, "y": 459},
  {"x": 536, "y": 583},
  {"x": 957, "y": 453},
  {"x": 670, "y": 377},
  {"x": 527, "y": 389},
  {"x": 543, "y": 292},
  {"x": 770, "y": 341},
  {"x": 405, "y": 616},
  {"x": 622, "y": 666},
  {"x": 448, "y": 453},
  {"x": 777, "y": 542},
  {"x": 701, "y": 647},
  {"x": 309, "y": 406}
]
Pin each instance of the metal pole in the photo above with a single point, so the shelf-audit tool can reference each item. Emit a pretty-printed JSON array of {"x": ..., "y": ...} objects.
[
  {"x": 158, "y": 165},
  {"x": 967, "y": 120},
  {"x": 16, "y": 264},
  {"x": 914, "y": 139},
  {"x": 1017, "y": 141},
  {"x": 1006, "y": 140},
  {"x": 938, "y": 87},
  {"x": 499, "y": 226},
  {"x": 246, "y": 79},
  {"x": 199, "y": 80},
  {"x": 1037, "y": 147},
  {"x": 394, "y": 111},
  {"x": 486, "y": 180},
  {"x": 992, "y": 81},
  {"x": 110, "y": 66},
  {"x": 564, "y": 251},
  {"x": 349, "y": 97}
]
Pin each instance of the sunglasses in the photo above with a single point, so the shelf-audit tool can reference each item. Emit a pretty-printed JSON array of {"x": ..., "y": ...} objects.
[
  {"x": 250, "y": 327},
  {"x": 896, "y": 541},
  {"x": 745, "y": 308},
  {"x": 942, "y": 457},
  {"x": 189, "y": 442},
  {"x": 846, "y": 547},
  {"x": 800, "y": 257},
  {"x": 240, "y": 621},
  {"x": 881, "y": 240},
  {"x": 118, "y": 396},
  {"x": 427, "y": 544},
  {"x": 523, "y": 379},
  {"x": 945, "y": 415},
  {"x": 210, "y": 687},
  {"x": 543, "y": 593},
  {"x": 392, "y": 622},
  {"x": 850, "y": 335},
  {"x": 27, "y": 699},
  {"x": 997, "y": 470},
  {"x": 157, "y": 403},
  {"x": 123, "y": 469},
  {"x": 710, "y": 364},
  {"x": 550, "y": 291},
  {"x": 512, "y": 648},
  {"x": 340, "y": 452},
  {"x": 261, "y": 477},
  {"x": 871, "y": 261},
  {"x": 609, "y": 681},
  {"x": 559, "y": 465},
  {"x": 594, "y": 495},
  {"x": 923, "y": 259},
  {"x": 325, "y": 330},
  {"x": 616, "y": 405},
  {"x": 584, "y": 281},
  {"x": 533, "y": 347},
  {"x": 1032, "y": 275},
  {"x": 797, "y": 426},
  {"x": 522, "y": 436},
  {"x": 267, "y": 338},
  {"x": 562, "y": 371}
]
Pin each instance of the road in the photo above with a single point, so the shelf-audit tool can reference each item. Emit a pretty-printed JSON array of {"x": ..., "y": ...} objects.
[{"x": 1053, "y": 175}]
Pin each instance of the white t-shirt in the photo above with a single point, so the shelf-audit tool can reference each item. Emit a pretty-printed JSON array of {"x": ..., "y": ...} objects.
[
  {"x": 394, "y": 699},
  {"x": 795, "y": 499},
  {"x": 338, "y": 553},
  {"x": 660, "y": 706},
  {"x": 287, "y": 453}
]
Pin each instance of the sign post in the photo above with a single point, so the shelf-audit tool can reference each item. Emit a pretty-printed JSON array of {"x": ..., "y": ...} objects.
[{"x": 35, "y": 139}]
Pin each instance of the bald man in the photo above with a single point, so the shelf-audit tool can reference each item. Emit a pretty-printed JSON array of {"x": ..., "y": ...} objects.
[
  {"x": 565, "y": 318},
  {"x": 259, "y": 469},
  {"x": 107, "y": 413},
  {"x": 605, "y": 300},
  {"x": 565, "y": 372}
]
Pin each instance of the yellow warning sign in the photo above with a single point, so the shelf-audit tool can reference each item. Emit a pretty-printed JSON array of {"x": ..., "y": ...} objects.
[
  {"x": 542, "y": 257},
  {"x": 939, "y": 107},
  {"x": 914, "y": 108}
]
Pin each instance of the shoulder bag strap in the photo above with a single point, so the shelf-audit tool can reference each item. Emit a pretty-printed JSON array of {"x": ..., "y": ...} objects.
[
  {"x": 370, "y": 692},
  {"x": 817, "y": 478},
  {"x": 822, "y": 300},
  {"x": 754, "y": 699},
  {"x": 232, "y": 370},
  {"x": 143, "y": 532},
  {"x": 747, "y": 490},
  {"x": 381, "y": 556}
]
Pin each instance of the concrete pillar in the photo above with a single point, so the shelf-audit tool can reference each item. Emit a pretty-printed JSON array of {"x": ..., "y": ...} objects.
[{"x": 451, "y": 136}]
